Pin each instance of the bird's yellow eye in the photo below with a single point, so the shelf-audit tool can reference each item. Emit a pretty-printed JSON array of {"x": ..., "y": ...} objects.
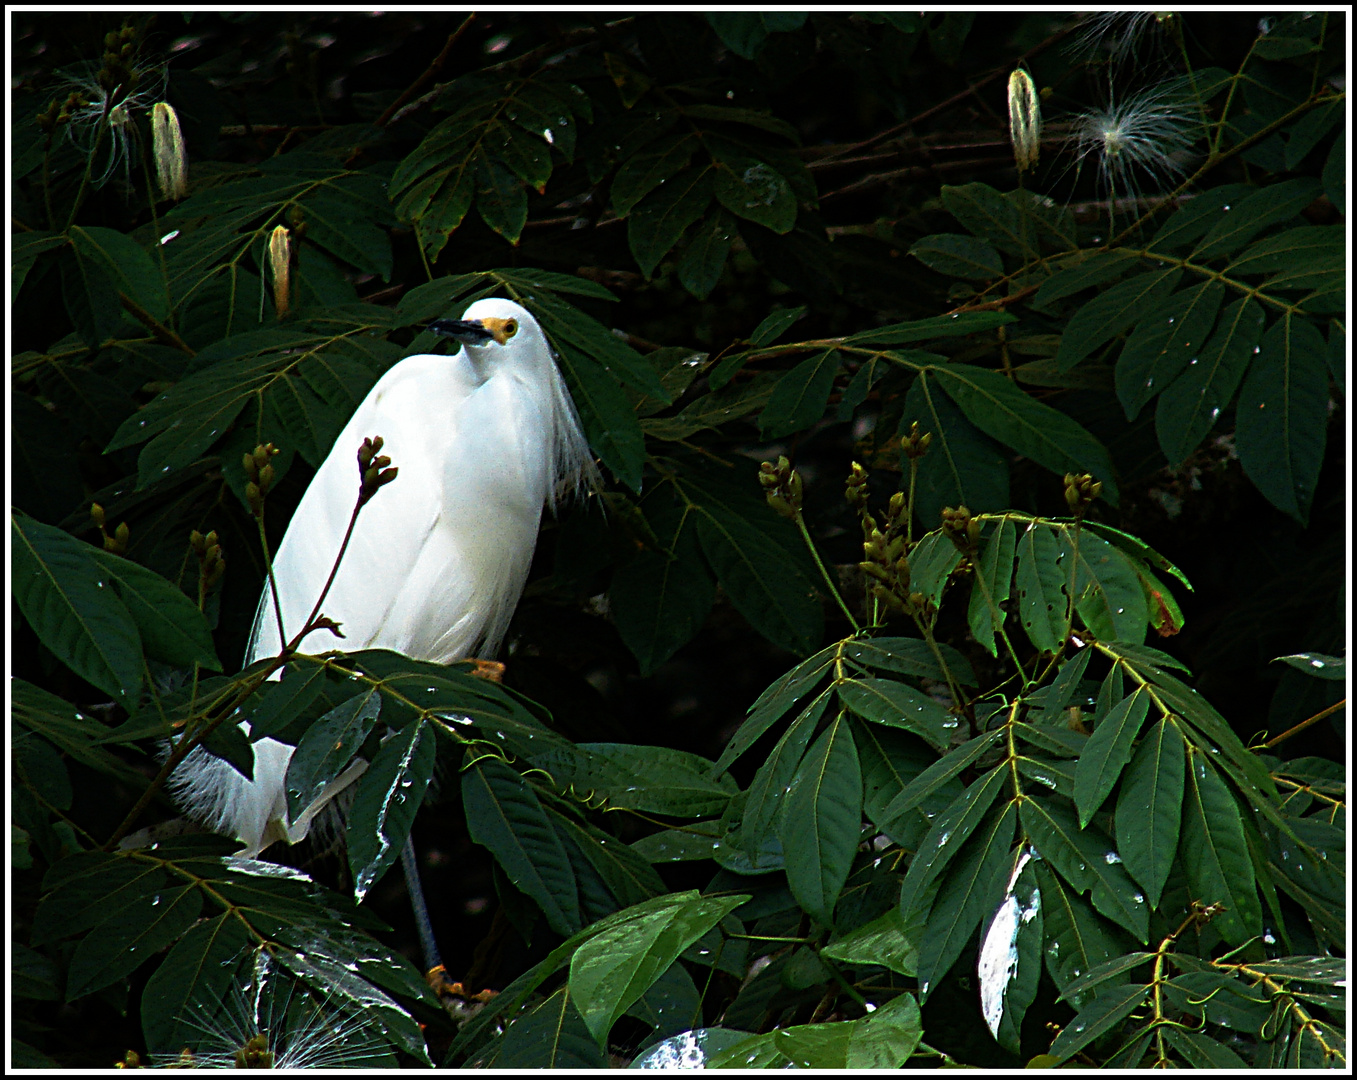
[{"x": 501, "y": 329}]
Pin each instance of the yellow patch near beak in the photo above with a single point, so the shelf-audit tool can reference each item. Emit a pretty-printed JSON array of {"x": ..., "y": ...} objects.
[{"x": 501, "y": 329}]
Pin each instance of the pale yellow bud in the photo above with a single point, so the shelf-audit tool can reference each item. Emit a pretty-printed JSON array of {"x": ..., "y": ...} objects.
[
  {"x": 167, "y": 141},
  {"x": 1024, "y": 119},
  {"x": 280, "y": 258}
]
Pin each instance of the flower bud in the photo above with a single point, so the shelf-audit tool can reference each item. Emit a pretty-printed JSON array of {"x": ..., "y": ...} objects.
[{"x": 1024, "y": 120}]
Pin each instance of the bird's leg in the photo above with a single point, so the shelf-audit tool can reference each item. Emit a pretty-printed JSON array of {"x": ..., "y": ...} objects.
[{"x": 428, "y": 946}]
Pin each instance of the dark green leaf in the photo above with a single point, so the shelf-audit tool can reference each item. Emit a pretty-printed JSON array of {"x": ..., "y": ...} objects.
[
  {"x": 744, "y": 32},
  {"x": 754, "y": 190},
  {"x": 650, "y": 167},
  {"x": 992, "y": 582},
  {"x": 704, "y": 256},
  {"x": 989, "y": 215},
  {"x": 773, "y": 702},
  {"x": 940, "y": 326},
  {"x": 951, "y": 829},
  {"x": 326, "y": 750},
  {"x": 1076, "y": 941},
  {"x": 896, "y": 704},
  {"x": 997, "y": 407},
  {"x": 800, "y": 397},
  {"x": 661, "y": 598},
  {"x": 1215, "y": 853},
  {"x": 1198, "y": 215},
  {"x": 763, "y": 581},
  {"x": 823, "y": 821},
  {"x": 963, "y": 466},
  {"x": 1042, "y": 598},
  {"x": 1188, "y": 409},
  {"x": 612, "y": 969},
  {"x": 384, "y": 807},
  {"x": 656, "y": 224},
  {"x": 142, "y": 927},
  {"x": 1106, "y": 754},
  {"x": 1164, "y": 344},
  {"x": 1266, "y": 206},
  {"x": 1282, "y": 414},
  {"x": 1103, "y": 1014},
  {"x": 1108, "y": 314},
  {"x": 68, "y": 600},
  {"x": 937, "y": 774},
  {"x": 910, "y": 656},
  {"x": 503, "y": 813},
  {"x": 1085, "y": 859},
  {"x": 772, "y": 782},
  {"x": 959, "y": 256},
  {"x": 972, "y": 889},
  {"x": 1075, "y": 276}
]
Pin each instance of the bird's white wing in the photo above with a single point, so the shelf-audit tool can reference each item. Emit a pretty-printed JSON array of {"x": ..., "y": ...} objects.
[{"x": 415, "y": 407}]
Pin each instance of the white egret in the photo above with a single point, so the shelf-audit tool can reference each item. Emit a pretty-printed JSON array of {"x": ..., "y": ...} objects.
[{"x": 437, "y": 561}]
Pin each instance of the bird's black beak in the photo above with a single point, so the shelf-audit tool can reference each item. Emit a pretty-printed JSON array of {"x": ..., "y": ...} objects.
[{"x": 467, "y": 331}]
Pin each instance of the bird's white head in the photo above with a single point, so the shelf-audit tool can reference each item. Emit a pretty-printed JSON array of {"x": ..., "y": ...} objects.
[{"x": 500, "y": 334}]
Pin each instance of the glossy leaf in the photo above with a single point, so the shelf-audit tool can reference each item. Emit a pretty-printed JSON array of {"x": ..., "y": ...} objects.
[
  {"x": 780, "y": 696},
  {"x": 971, "y": 889},
  {"x": 990, "y": 588},
  {"x": 1076, "y": 940},
  {"x": 65, "y": 596},
  {"x": 1086, "y": 859},
  {"x": 949, "y": 834},
  {"x": 773, "y": 781},
  {"x": 327, "y": 748},
  {"x": 1009, "y": 965},
  {"x": 1188, "y": 409},
  {"x": 384, "y": 807},
  {"x": 1042, "y": 599},
  {"x": 823, "y": 820},
  {"x": 937, "y": 774},
  {"x": 1165, "y": 344},
  {"x": 552, "y": 1035},
  {"x": 614, "y": 967},
  {"x": 1106, "y": 754},
  {"x": 504, "y": 815},
  {"x": 897, "y": 704},
  {"x": 1215, "y": 854}
]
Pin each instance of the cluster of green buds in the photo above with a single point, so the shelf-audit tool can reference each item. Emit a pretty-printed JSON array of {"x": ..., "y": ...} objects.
[
  {"x": 782, "y": 486},
  {"x": 960, "y": 528},
  {"x": 59, "y": 112},
  {"x": 885, "y": 559},
  {"x": 117, "y": 542},
  {"x": 211, "y": 563},
  {"x": 915, "y": 445},
  {"x": 373, "y": 468},
  {"x": 1080, "y": 491},
  {"x": 258, "y": 475},
  {"x": 118, "y": 70}
]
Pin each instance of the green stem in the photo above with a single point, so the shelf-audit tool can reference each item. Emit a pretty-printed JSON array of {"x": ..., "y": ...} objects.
[{"x": 824, "y": 573}]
